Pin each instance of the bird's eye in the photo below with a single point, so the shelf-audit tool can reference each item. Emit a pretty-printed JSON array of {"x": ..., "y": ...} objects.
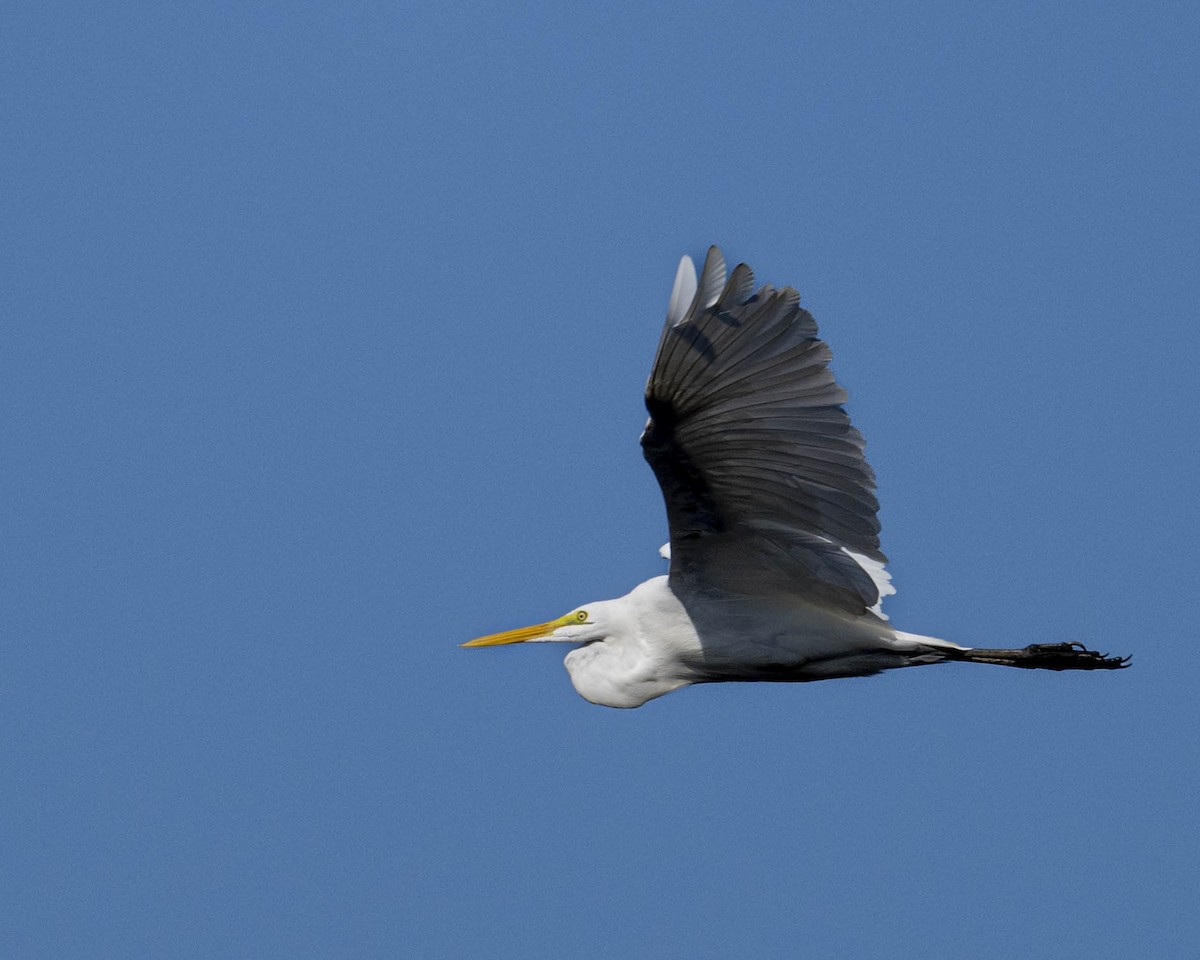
[{"x": 581, "y": 616}]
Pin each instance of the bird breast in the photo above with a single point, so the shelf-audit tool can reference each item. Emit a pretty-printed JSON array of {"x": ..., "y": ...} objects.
[{"x": 617, "y": 674}]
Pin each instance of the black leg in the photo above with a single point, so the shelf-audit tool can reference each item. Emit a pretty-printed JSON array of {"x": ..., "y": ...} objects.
[{"x": 1046, "y": 656}]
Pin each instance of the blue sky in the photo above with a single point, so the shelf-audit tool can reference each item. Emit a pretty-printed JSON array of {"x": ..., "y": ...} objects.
[{"x": 325, "y": 330}]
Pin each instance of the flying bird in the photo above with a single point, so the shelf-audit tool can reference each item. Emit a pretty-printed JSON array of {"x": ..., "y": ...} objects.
[{"x": 775, "y": 568}]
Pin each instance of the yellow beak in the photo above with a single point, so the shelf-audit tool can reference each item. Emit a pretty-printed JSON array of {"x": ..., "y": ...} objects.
[{"x": 536, "y": 632}]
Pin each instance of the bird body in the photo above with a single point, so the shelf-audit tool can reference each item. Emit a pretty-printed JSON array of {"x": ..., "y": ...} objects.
[
  {"x": 669, "y": 640},
  {"x": 776, "y": 570}
]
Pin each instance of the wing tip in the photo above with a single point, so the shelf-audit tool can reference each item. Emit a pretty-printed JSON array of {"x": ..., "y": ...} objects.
[
  {"x": 712, "y": 280},
  {"x": 710, "y": 286},
  {"x": 683, "y": 292}
]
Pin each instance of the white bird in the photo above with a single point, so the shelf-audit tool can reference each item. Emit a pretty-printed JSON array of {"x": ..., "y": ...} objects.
[{"x": 775, "y": 568}]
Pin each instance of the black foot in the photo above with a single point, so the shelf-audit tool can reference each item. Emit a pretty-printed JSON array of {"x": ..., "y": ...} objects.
[{"x": 1067, "y": 656}]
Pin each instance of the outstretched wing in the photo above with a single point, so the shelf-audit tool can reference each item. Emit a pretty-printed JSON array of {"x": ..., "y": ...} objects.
[{"x": 766, "y": 486}]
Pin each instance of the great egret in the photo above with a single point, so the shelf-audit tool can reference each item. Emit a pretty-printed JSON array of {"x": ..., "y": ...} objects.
[{"x": 775, "y": 567}]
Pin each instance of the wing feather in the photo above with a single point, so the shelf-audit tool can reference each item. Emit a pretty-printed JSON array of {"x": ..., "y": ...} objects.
[{"x": 763, "y": 474}]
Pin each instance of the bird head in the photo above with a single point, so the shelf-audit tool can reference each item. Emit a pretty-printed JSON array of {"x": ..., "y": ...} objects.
[{"x": 613, "y": 662}]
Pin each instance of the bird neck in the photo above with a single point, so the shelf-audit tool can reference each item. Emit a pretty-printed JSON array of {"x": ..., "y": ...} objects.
[{"x": 627, "y": 668}]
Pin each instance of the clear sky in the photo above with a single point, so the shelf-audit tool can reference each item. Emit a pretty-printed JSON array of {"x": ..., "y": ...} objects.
[{"x": 324, "y": 333}]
